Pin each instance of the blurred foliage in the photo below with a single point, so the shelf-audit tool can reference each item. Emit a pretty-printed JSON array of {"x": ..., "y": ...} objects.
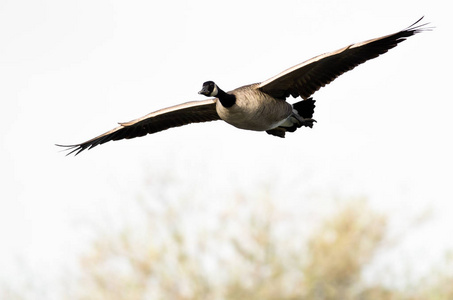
[
  {"x": 161, "y": 260},
  {"x": 250, "y": 251}
]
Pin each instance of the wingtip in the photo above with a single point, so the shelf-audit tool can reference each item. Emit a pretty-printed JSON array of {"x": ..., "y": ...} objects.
[
  {"x": 416, "y": 27},
  {"x": 71, "y": 149}
]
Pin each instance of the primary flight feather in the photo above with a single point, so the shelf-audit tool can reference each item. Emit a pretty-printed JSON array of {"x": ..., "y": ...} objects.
[{"x": 260, "y": 106}]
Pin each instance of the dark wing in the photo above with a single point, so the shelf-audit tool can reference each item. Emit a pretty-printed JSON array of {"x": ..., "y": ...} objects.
[
  {"x": 179, "y": 115},
  {"x": 308, "y": 77}
]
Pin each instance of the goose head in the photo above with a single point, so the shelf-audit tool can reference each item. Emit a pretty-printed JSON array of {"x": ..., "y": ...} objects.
[{"x": 209, "y": 89}]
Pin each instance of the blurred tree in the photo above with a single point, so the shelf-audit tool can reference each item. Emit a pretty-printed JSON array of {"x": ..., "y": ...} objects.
[
  {"x": 259, "y": 264},
  {"x": 340, "y": 250},
  {"x": 246, "y": 254}
]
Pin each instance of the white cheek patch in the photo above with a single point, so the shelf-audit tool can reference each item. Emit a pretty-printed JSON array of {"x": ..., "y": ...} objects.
[{"x": 215, "y": 91}]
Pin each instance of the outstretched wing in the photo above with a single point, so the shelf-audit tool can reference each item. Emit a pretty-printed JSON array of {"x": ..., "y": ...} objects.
[
  {"x": 179, "y": 115},
  {"x": 306, "y": 78}
]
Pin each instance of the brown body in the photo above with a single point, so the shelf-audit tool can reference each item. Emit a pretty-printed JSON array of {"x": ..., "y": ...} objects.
[{"x": 254, "y": 110}]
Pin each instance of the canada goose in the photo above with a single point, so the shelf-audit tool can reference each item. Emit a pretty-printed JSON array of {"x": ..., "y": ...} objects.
[{"x": 260, "y": 106}]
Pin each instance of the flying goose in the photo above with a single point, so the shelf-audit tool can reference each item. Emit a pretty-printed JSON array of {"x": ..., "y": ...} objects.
[{"x": 260, "y": 106}]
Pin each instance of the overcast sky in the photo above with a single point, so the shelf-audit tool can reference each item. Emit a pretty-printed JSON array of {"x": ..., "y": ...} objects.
[{"x": 69, "y": 70}]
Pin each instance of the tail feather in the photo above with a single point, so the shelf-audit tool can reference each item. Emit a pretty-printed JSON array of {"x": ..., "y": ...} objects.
[{"x": 305, "y": 108}]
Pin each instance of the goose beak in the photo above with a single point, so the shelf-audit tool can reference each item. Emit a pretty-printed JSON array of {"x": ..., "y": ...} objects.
[{"x": 204, "y": 92}]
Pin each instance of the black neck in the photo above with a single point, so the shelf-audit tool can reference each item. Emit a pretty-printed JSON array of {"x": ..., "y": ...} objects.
[{"x": 226, "y": 99}]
